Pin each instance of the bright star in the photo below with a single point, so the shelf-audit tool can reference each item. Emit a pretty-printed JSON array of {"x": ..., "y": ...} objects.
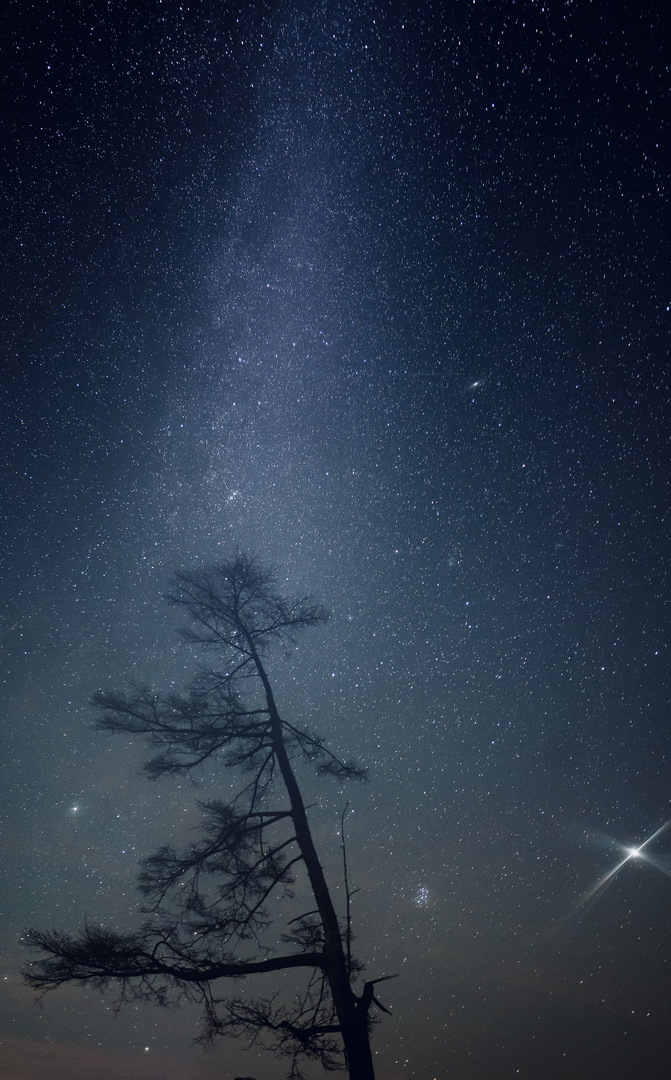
[{"x": 629, "y": 853}]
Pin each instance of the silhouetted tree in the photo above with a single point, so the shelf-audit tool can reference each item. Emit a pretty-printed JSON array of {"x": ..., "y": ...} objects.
[{"x": 208, "y": 906}]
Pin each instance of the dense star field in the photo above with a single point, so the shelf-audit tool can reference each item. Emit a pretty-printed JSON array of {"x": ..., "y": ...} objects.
[{"x": 378, "y": 291}]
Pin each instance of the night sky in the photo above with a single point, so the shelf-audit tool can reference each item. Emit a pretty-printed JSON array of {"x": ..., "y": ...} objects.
[{"x": 378, "y": 291}]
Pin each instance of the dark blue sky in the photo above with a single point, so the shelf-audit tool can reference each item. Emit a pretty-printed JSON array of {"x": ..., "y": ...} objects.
[{"x": 380, "y": 292}]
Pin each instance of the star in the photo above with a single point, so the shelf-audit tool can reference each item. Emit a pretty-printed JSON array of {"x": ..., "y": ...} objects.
[{"x": 629, "y": 854}]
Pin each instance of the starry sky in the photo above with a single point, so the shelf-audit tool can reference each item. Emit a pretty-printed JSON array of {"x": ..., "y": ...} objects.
[{"x": 380, "y": 292}]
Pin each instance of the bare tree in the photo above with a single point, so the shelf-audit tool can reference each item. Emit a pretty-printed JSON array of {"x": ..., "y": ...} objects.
[{"x": 208, "y": 906}]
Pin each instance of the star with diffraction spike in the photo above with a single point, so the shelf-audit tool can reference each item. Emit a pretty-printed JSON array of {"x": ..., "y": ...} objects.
[{"x": 629, "y": 853}]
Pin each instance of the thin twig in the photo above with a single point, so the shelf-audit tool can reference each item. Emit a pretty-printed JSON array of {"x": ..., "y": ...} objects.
[{"x": 348, "y": 895}]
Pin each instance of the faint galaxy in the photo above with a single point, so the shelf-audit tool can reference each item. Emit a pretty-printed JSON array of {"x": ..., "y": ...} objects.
[{"x": 378, "y": 291}]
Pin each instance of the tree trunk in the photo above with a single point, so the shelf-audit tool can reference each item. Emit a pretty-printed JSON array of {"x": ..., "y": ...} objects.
[
  {"x": 352, "y": 1014},
  {"x": 357, "y": 1041}
]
